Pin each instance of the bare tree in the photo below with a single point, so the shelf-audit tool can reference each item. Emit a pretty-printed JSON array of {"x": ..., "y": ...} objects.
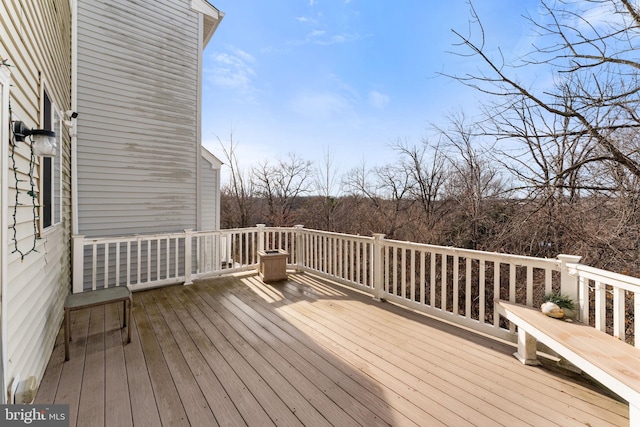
[
  {"x": 384, "y": 189},
  {"x": 474, "y": 181},
  {"x": 426, "y": 166},
  {"x": 593, "y": 59},
  {"x": 328, "y": 189},
  {"x": 281, "y": 186},
  {"x": 237, "y": 212}
]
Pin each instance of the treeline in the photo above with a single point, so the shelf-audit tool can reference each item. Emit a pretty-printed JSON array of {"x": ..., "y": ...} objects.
[{"x": 446, "y": 194}]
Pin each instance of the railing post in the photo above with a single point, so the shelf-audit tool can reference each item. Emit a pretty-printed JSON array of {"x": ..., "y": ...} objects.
[
  {"x": 188, "y": 264},
  {"x": 569, "y": 280},
  {"x": 260, "y": 236},
  {"x": 299, "y": 249},
  {"x": 260, "y": 247},
  {"x": 378, "y": 271},
  {"x": 78, "y": 263}
]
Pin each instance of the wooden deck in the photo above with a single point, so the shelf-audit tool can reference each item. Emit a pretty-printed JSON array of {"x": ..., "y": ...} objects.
[{"x": 234, "y": 351}]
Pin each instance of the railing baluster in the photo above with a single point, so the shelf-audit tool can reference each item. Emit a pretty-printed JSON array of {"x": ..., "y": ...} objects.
[
  {"x": 128, "y": 268},
  {"x": 496, "y": 292},
  {"x": 395, "y": 270},
  {"x": 105, "y": 284},
  {"x": 158, "y": 258},
  {"x": 482, "y": 279},
  {"x": 148, "y": 260},
  {"x": 403, "y": 273},
  {"x": 432, "y": 281},
  {"x": 177, "y": 258},
  {"x": 358, "y": 262},
  {"x": 618, "y": 313},
  {"x": 94, "y": 271},
  {"x": 601, "y": 306},
  {"x": 444, "y": 289},
  {"x": 467, "y": 299},
  {"x": 636, "y": 319},
  {"x": 412, "y": 271},
  {"x": 529, "y": 285},
  {"x": 583, "y": 301},
  {"x": 548, "y": 280},
  {"x": 454, "y": 284},
  {"x": 423, "y": 279},
  {"x": 117, "y": 263},
  {"x": 512, "y": 282}
]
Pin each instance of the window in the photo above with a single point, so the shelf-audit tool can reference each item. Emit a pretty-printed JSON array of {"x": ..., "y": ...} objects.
[{"x": 50, "y": 191}]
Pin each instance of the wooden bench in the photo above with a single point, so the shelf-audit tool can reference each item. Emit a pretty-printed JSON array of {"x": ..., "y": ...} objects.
[
  {"x": 92, "y": 299},
  {"x": 610, "y": 361}
]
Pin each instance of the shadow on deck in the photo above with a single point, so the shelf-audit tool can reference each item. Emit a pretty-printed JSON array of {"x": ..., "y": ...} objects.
[{"x": 234, "y": 351}]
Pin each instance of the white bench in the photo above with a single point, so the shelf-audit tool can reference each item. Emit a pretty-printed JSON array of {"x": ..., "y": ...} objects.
[{"x": 610, "y": 361}]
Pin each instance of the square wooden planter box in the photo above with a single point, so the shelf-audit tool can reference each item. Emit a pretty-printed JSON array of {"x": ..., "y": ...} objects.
[{"x": 272, "y": 265}]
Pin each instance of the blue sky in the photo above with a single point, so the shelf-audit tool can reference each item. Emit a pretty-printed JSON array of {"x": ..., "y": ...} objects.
[{"x": 348, "y": 76}]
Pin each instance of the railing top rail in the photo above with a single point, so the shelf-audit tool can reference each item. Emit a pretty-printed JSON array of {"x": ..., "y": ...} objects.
[
  {"x": 628, "y": 283},
  {"x": 279, "y": 229},
  {"x": 234, "y": 230},
  {"x": 340, "y": 235},
  {"x": 132, "y": 238},
  {"x": 476, "y": 254}
]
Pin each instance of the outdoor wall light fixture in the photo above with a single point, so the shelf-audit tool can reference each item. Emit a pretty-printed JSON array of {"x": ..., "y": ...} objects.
[{"x": 43, "y": 141}]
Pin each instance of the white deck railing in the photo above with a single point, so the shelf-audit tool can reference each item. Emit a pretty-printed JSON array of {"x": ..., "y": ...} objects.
[{"x": 457, "y": 285}]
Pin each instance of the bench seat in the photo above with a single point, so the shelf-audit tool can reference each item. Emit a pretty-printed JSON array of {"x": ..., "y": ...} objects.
[
  {"x": 92, "y": 299},
  {"x": 610, "y": 361}
]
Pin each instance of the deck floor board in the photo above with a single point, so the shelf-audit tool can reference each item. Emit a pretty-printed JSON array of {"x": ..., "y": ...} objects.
[
  {"x": 234, "y": 351},
  {"x": 397, "y": 342}
]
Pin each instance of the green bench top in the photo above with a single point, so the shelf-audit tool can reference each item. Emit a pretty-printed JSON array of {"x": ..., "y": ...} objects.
[{"x": 97, "y": 297}]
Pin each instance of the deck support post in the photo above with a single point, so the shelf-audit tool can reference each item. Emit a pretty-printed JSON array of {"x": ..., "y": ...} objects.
[
  {"x": 378, "y": 271},
  {"x": 188, "y": 235},
  {"x": 299, "y": 249},
  {"x": 78, "y": 263},
  {"x": 527, "y": 347}
]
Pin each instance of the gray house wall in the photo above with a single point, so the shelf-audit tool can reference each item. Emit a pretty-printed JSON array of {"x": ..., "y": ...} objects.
[
  {"x": 35, "y": 260},
  {"x": 210, "y": 191},
  {"x": 138, "y": 149}
]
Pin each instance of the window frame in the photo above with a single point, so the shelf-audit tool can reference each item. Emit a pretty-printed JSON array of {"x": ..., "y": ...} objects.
[{"x": 50, "y": 188}]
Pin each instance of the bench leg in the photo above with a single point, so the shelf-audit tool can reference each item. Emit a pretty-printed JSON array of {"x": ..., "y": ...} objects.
[
  {"x": 67, "y": 334},
  {"x": 527, "y": 346},
  {"x": 124, "y": 313},
  {"x": 130, "y": 302}
]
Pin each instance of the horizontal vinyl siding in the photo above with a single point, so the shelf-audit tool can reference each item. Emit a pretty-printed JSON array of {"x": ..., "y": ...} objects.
[
  {"x": 36, "y": 37},
  {"x": 35, "y": 312},
  {"x": 137, "y": 128},
  {"x": 210, "y": 189}
]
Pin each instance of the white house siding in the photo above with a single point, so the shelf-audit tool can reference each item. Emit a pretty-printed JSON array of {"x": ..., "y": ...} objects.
[
  {"x": 35, "y": 36},
  {"x": 137, "y": 89},
  {"x": 210, "y": 191}
]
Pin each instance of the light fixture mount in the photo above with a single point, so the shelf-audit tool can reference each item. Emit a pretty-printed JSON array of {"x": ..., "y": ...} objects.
[{"x": 43, "y": 141}]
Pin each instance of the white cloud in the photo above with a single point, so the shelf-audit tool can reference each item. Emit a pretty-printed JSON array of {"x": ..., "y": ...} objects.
[
  {"x": 307, "y": 20},
  {"x": 317, "y": 33},
  {"x": 339, "y": 39},
  {"x": 312, "y": 2},
  {"x": 320, "y": 105},
  {"x": 232, "y": 70},
  {"x": 377, "y": 99}
]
